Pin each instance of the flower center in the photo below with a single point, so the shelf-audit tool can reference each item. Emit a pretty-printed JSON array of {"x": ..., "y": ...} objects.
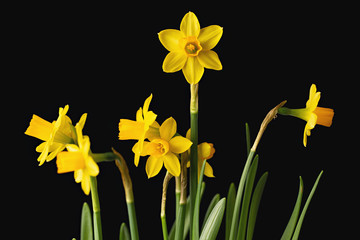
[
  {"x": 160, "y": 147},
  {"x": 191, "y": 46}
]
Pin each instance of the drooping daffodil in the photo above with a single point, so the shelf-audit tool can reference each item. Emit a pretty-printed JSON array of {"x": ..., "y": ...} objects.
[
  {"x": 77, "y": 159},
  {"x": 190, "y": 48},
  {"x": 55, "y": 135},
  {"x": 138, "y": 130},
  {"x": 312, "y": 114}
]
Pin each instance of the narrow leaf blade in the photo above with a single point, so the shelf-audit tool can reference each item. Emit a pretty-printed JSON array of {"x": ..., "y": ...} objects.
[
  {"x": 211, "y": 206},
  {"x": 213, "y": 222},
  {"x": 124, "y": 232},
  {"x": 301, "y": 218},
  {"x": 246, "y": 201},
  {"x": 229, "y": 209},
  {"x": 255, "y": 202},
  {"x": 86, "y": 229},
  {"x": 295, "y": 214}
]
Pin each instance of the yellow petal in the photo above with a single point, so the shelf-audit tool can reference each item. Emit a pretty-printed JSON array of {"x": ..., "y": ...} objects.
[
  {"x": 314, "y": 98},
  {"x": 85, "y": 184},
  {"x": 209, "y": 59},
  {"x": 170, "y": 38},
  {"x": 139, "y": 115},
  {"x": 69, "y": 162},
  {"x": 190, "y": 25},
  {"x": 193, "y": 70},
  {"x": 78, "y": 175},
  {"x": 174, "y": 61},
  {"x": 153, "y": 166},
  {"x": 179, "y": 144},
  {"x": 149, "y": 118},
  {"x": 309, "y": 125},
  {"x": 208, "y": 170},
  {"x": 91, "y": 166},
  {"x": 147, "y": 103},
  {"x": 168, "y": 129},
  {"x": 210, "y": 36},
  {"x": 172, "y": 164}
]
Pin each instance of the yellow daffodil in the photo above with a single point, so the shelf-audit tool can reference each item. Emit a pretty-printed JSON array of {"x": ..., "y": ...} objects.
[
  {"x": 190, "y": 48},
  {"x": 163, "y": 149},
  {"x": 138, "y": 130},
  {"x": 205, "y": 152},
  {"x": 55, "y": 135},
  {"x": 78, "y": 160},
  {"x": 312, "y": 114}
]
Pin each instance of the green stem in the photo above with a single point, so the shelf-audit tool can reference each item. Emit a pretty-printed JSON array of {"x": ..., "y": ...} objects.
[
  {"x": 180, "y": 220},
  {"x": 96, "y": 209},
  {"x": 132, "y": 221},
  {"x": 193, "y": 150},
  {"x": 164, "y": 227}
]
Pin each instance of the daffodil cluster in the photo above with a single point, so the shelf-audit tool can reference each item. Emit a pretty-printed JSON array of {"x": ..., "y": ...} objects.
[
  {"x": 190, "y": 50},
  {"x": 61, "y": 134}
]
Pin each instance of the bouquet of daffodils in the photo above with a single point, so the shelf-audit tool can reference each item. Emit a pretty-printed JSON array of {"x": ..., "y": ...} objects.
[{"x": 184, "y": 158}]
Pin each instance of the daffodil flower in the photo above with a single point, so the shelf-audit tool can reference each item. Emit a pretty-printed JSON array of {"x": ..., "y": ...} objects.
[
  {"x": 138, "y": 130},
  {"x": 55, "y": 135},
  {"x": 77, "y": 159},
  {"x": 205, "y": 151},
  {"x": 312, "y": 114},
  {"x": 190, "y": 48},
  {"x": 163, "y": 149}
]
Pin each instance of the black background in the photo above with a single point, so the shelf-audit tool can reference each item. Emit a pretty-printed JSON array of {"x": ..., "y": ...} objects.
[{"x": 105, "y": 60}]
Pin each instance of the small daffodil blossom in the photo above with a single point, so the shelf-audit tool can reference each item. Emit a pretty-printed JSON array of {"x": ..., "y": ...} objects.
[
  {"x": 205, "y": 151},
  {"x": 55, "y": 135},
  {"x": 138, "y": 130},
  {"x": 312, "y": 114},
  {"x": 163, "y": 149},
  {"x": 190, "y": 48},
  {"x": 78, "y": 160}
]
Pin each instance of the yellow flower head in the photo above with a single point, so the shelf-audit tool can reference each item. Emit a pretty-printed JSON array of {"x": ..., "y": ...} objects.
[
  {"x": 163, "y": 149},
  {"x": 205, "y": 151},
  {"x": 190, "y": 48},
  {"x": 55, "y": 135},
  {"x": 312, "y": 114},
  {"x": 78, "y": 160},
  {"x": 137, "y": 130}
]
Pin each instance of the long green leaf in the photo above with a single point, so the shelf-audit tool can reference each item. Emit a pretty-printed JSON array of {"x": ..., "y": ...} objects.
[
  {"x": 301, "y": 219},
  {"x": 213, "y": 222},
  {"x": 295, "y": 214},
  {"x": 235, "y": 218},
  {"x": 212, "y": 204},
  {"x": 86, "y": 230},
  {"x": 255, "y": 202},
  {"x": 247, "y": 196},
  {"x": 124, "y": 232},
  {"x": 229, "y": 209}
]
